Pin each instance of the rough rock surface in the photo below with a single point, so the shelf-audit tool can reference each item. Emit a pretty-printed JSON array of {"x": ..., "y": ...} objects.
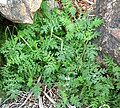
[
  {"x": 19, "y": 11},
  {"x": 109, "y": 11}
]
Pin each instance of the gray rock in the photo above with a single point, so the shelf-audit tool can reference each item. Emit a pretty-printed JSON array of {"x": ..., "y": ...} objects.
[
  {"x": 19, "y": 11},
  {"x": 109, "y": 11}
]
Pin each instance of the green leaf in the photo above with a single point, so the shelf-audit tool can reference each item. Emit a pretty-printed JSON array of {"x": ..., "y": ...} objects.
[
  {"x": 30, "y": 81},
  {"x": 37, "y": 90},
  {"x": 72, "y": 10}
]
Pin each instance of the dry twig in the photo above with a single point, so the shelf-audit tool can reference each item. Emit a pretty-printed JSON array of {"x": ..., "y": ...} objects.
[
  {"x": 91, "y": 3},
  {"x": 104, "y": 105},
  {"x": 50, "y": 99},
  {"x": 26, "y": 100},
  {"x": 40, "y": 102}
]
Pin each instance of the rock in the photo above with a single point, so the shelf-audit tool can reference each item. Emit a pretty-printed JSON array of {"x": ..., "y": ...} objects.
[
  {"x": 109, "y": 11},
  {"x": 53, "y": 4},
  {"x": 19, "y": 11}
]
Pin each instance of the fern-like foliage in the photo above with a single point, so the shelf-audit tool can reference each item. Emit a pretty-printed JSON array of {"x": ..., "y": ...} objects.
[{"x": 58, "y": 48}]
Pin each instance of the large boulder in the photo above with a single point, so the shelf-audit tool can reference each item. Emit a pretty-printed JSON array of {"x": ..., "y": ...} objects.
[
  {"x": 109, "y": 11},
  {"x": 19, "y": 11}
]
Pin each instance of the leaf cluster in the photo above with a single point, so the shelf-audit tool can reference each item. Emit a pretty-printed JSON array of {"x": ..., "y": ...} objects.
[{"x": 58, "y": 48}]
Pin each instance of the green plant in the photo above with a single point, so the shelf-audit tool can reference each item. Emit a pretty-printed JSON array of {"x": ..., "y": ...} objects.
[{"x": 58, "y": 48}]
